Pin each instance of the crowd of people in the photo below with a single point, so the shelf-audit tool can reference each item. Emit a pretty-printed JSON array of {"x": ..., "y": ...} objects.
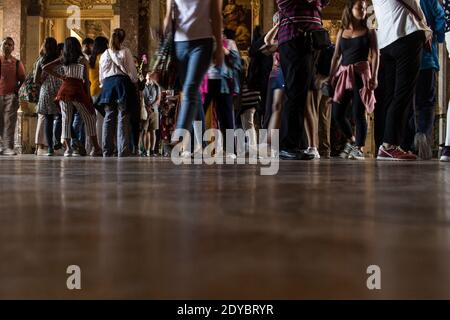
[{"x": 94, "y": 100}]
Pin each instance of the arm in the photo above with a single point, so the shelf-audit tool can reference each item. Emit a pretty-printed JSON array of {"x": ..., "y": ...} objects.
[
  {"x": 270, "y": 38},
  {"x": 217, "y": 24},
  {"x": 375, "y": 63},
  {"x": 336, "y": 56},
  {"x": 50, "y": 69},
  {"x": 21, "y": 74},
  {"x": 87, "y": 82},
  {"x": 439, "y": 21},
  {"x": 130, "y": 67},
  {"x": 416, "y": 7},
  {"x": 168, "y": 17},
  {"x": 38, "y": 73}
]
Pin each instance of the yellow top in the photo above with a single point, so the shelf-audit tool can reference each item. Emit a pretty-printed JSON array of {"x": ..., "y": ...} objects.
[{"x": 94, "y": 78}]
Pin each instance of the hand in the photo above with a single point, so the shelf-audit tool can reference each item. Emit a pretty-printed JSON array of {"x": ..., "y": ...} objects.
[
  {"x": 373, "y": 83},
  {"x": 218, "y": 57}
]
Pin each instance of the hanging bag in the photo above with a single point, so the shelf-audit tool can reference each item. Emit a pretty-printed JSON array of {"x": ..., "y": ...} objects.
[
  {"x": 164, "y": 60},
  {"x": 29, "y": 90}
]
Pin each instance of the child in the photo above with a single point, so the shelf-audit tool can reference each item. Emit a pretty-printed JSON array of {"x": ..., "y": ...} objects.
[{"x": 151, "y": 101}]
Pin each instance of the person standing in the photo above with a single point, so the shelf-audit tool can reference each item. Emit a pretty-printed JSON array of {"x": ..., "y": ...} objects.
[
  {"x": 402, "y": 35},
  {"x": 118, "y": 76},
  {"x": 49, "y": 88},
  {"x": 198, "y": 24},
  {"x": 12, "y": 75},
  {"x": 151, "y": 97},
  {"x": 419, "y": 132},
  {"x": 297, "y": 17},
  {"x": 445, "y": 155},
  {"x": 74, "y": 93},
  {"x": 355, "y": 79},
  {"x": 100, "y": 46}
]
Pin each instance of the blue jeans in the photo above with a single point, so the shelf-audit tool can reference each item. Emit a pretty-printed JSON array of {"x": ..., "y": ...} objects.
[
  {"x": 194, "y": 59},
  {"x": 78, "y": 132}
]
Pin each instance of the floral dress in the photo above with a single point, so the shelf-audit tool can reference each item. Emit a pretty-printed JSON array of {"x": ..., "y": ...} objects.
[{"x": 49, "y": 88}]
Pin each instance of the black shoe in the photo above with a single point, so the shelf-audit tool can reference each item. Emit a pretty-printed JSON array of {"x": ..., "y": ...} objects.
[{"x": 295, "y": 155}]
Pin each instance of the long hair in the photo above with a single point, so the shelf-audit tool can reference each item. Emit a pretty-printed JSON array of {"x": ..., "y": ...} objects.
[
  {"x": 100, "y": 46},
  {"x": 72, "y": 51},
  {"x": 347, "y": 15},
  {"x": 50, "y": 50},
  {"x": 118, "y": 37}
]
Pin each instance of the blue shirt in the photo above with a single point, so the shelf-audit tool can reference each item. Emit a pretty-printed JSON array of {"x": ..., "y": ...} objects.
[{"x": 434, "y": 12}]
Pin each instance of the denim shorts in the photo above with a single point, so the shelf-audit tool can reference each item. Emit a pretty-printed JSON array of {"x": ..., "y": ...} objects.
[{"x": 277, "y": 81}]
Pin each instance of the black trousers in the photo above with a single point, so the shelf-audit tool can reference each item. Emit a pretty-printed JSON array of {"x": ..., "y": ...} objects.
[
  {"x": 421, "y": 116},
  {"x": 224, "y": 109},
  {"x": 297, "y": 65},
  {"x": 359, "y": 113},
  {"x": 401, "y": 63}
]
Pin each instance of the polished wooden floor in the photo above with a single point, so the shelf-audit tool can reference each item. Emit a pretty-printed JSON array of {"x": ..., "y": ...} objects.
[{"x": 146, "y": 229}]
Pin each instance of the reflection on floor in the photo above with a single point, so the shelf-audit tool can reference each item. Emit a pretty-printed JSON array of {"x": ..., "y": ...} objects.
[{"x": 141, "y": 228}]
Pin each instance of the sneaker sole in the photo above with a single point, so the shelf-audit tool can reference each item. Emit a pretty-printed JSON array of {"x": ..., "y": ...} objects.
[
  {"x": 394, "y": 159},
  {"x": 445, "y": 159}
]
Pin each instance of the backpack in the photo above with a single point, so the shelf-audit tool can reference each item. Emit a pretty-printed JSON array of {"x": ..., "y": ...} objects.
[{"x": 29, "y": 90}]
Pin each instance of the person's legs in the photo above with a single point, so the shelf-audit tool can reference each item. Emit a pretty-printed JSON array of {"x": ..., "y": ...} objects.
[
  {"x": 2, "y": 121},
  {"x": 407, "y": 54},
  {"x": 123, "y": 134},
  {"x": 340, "y": 116},
  {"x": 312, "y": 122},
  {"x": 40, "y": 139},
  {"x": 225, "y": 114},
  {"x": 49, "y": 119},
  {"x": 324, "y": 126},
  {"x": 296, "y": 63},
  {"x": 276, "y": 112},
  {"x": 359, "y": 113},
  {"x": 89, "y": 121},
  {"x": 11, "y": 105},
  {"x": 382, "y": 94},
  {"x": 447, "y": 138},
  {"x": 248, "y": 124},
  {"x": 191, "y": 56},
  {"x": 425, "y": 104},
  {"x": 109, "y": 130},
  {"x": 57, "y": 130},
  {"x": 67, "y": 113}
]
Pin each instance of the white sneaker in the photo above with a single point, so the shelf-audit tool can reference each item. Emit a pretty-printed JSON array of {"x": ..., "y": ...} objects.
[
  {"x": 68, "y": 153},
  {"x": 41, "y": 152},
  {"x": 9, "y": 152},
  {"x": 231, "y": 156},
  {"x": 314, "y": 152},
  {"x": 186, "y": 155}
]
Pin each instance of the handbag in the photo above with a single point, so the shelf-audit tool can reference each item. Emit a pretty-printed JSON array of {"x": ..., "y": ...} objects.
[
  {"x": 164, "y": 61},
  {"x": 29, "y": 90}
]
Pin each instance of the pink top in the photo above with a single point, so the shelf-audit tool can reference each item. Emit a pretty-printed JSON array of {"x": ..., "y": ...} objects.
[
  {"x": 344, "y": 80},
  {"x": 8, "y": 75}
]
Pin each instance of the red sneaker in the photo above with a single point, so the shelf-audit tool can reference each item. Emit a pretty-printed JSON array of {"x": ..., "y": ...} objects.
[{"x": 395, "y": 154}]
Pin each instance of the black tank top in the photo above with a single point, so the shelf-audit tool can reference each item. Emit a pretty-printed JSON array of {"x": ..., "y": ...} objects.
[{"x": 355, "y": 49}]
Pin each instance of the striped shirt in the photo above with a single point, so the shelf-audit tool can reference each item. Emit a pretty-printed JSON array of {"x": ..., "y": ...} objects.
[{"x": 299, "y": 15}]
